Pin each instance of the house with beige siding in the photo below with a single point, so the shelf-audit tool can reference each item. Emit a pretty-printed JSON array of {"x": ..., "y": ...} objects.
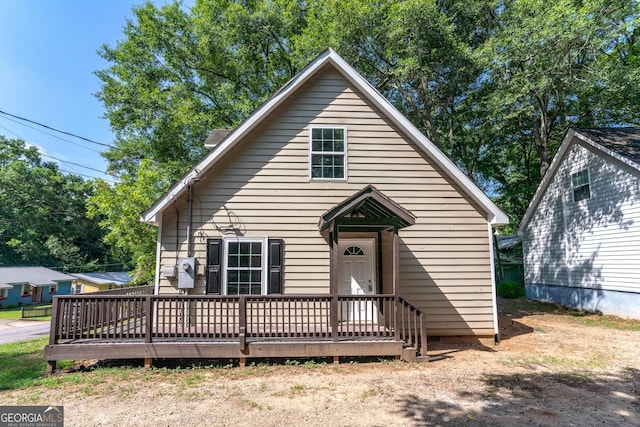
[
  {"x": 581, "y": 231},
  {"x": 330, "y": 225}
]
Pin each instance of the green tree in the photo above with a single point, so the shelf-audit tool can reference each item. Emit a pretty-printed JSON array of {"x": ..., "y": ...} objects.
[
  {"x": 175, "y": 76},
  {"x": 119, "y": 207},
  {"x": 43, "y": 217},
  {"x": 494, "y": 83},
  {"x": 551, "y": 66}
]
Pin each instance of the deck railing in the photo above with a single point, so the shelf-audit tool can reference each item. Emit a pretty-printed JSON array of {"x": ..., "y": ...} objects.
[
  {"x": 414, "y": 326},
  {"x": 130, "y": 290},
  {"x": 154, "y": 318}
]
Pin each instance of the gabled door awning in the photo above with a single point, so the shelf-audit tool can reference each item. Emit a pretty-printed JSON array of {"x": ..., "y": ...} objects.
[{"x": 368, "y": 207}]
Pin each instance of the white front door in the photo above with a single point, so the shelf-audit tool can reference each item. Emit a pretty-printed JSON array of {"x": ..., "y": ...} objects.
[{"x": 357, "y": 267}]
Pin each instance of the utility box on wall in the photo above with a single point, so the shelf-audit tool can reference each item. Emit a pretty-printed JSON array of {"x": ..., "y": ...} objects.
[{"x": 186, "y": 273}]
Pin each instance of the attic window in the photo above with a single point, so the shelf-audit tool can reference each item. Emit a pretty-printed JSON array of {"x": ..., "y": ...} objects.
[
  {"x": 328, "y": 153},
  {"x": 580, "y": 184}
]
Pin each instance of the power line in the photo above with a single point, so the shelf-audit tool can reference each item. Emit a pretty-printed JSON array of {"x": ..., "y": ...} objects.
[
  {"x": 60, "y": 131},
  {"x": 85, "y": 175},
  {"x": 75, "y": 164},
  {"x": 60, "y": 160},
  {"x": 46, "y": 133}
]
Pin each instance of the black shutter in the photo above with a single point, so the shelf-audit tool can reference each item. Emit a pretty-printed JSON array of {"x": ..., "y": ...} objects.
[
  {"x": 214, "y": 266},
  {"x": 274, "y": 266}
]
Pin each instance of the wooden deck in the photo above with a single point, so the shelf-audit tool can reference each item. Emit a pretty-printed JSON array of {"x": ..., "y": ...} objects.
[{"x": 171, "y": 326}]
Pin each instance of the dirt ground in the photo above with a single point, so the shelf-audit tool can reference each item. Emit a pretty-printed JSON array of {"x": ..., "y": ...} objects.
[{"x": 552, "y": 368}]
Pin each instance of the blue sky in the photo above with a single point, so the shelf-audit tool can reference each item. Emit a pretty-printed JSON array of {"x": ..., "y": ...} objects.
[{"x": 48, "y": 53}]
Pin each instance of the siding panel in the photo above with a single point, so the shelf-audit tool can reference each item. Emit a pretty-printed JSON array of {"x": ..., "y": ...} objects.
[
  {"x": 262, "y": 189},
  {"x": 592, "y": 243}
]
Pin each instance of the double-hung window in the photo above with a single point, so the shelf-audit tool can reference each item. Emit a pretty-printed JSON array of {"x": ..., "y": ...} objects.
[
  {"x": 25, "y": 289},
  {"x": 580, "y": 185},
  {"x": 244, "y": 266},
  {"x": 3, "y": 294},
  {"x": 53, "y": 289},
  {"x": 328, "y": 153}
]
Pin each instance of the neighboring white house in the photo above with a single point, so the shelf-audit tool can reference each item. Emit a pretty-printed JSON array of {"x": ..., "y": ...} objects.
[{"x": 581, "y": 232}]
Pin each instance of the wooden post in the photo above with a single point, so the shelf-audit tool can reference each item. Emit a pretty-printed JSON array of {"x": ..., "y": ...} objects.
[
  {"x": 423, "y": 334},
  {"x": 148, "y": 330},
  {"x": 51, "y": 367},
  {"x": 148, "y": 362},
  {"x": 336, "y": 360},
  {"x": 53, "y": 330},
  {"x": 333, "y": 281},
  {"x": 242, "y": 319},
  {"x": 396, "y": 284}
]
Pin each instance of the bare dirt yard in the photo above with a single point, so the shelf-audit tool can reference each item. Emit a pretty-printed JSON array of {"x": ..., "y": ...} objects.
[{"x": 553, "y": 367}]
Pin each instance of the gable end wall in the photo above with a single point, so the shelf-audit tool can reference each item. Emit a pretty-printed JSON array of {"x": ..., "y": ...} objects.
[
  {"x": 590, "y": 247},
  {"x": 262, "y": 189}
]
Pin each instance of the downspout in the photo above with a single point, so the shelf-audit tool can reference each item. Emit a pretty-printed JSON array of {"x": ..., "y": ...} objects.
[
  {"x": 177, "y": 233},
  {"x": 189, "y": 203}
]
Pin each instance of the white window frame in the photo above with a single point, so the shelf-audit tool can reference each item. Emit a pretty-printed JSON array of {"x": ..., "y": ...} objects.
[
  {"x": 3, "y": 293},
  {"x": 344, "y": 153},
  {"x": 574, "y": 188},
  {"x": 53, "y": 289},
  {"x": 264, "y": 241},
  {"x": 25, "y": 287},
  {"x": 77, "y": 289}
]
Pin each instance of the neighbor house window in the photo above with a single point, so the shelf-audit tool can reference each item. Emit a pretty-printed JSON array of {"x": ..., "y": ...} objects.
[
  {"x": 25, "y": 289},
  {"x": 76, "y": 289},
  {"x": 245, "y": 267},
  {"x": 328, "y": 153},
  {"x": 580, "y": 184},
  {"x": 3, "y": 294},
  {"x": 53, "y": 289}
]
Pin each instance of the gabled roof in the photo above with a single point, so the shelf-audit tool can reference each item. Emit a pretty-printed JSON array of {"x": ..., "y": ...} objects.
[
  {"x": 494, "y": 215},
  {"x": 34, "y": 276},
  {"x": 119, "y": 278},
  {"x": 368, "y": 203},
  {"x": 621, "y": 144}
]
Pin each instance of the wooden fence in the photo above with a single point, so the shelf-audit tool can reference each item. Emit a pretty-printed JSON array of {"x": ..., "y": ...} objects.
[{"x": 28, "y": 312}]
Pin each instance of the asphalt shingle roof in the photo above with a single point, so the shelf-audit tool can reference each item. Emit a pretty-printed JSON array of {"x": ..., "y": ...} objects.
[
  {"x": 116, "y": 277},
  {"x": 623, "y": 141},
  {"x": 35, "y": 276}
]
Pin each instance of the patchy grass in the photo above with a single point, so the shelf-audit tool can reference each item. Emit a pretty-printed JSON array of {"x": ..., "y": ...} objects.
[
  {"x": 613, "y": 322},
  {"x": 14, "y": 313},
  {"x": 22, "y": 363},
  {"x": 559, "y": 363},
  {"x": 519, "y": 307}
]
